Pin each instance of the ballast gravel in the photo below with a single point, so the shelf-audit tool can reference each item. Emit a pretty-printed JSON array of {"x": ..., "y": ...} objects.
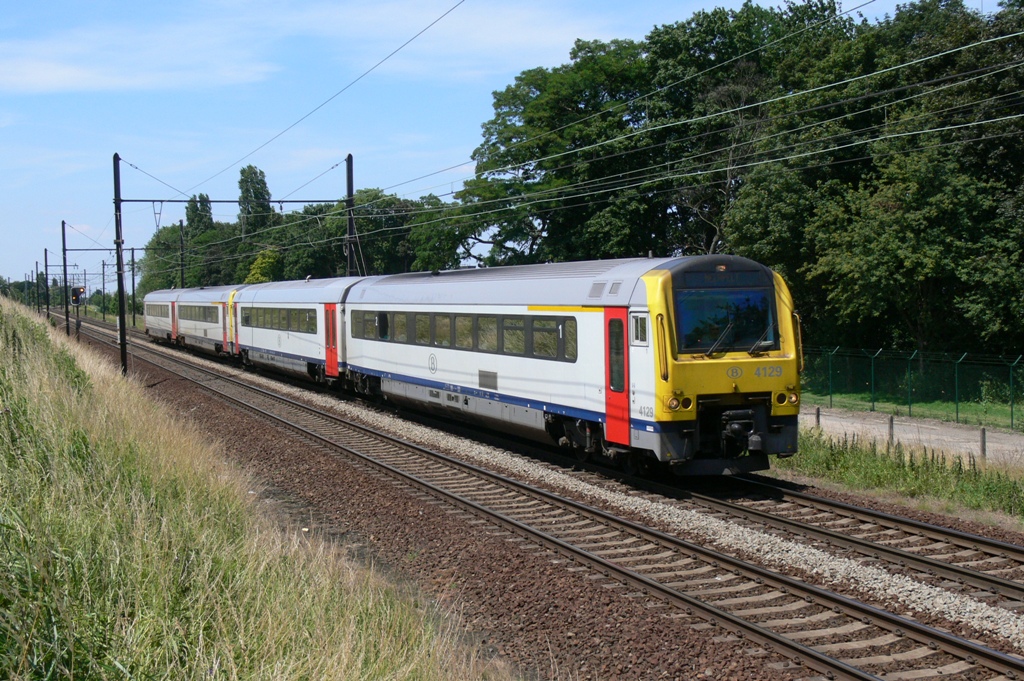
[{"x": 773, "y": 551}]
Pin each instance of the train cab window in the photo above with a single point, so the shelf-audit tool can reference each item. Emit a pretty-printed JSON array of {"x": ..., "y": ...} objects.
[
  {"x": 422, "y": 329},
  {"x": 487, "y": 329},
  {"x": 616, "y": 356},
  {"x": 569, "y": 334},
  {"x": 638, "y": 323},
  {"x": 464, "y": 332},
  {"x": 545, "y": 338},
  {"x": 443, "y": 330},
  {"x": 513, "y": 336},
  {"x": 401, "y": 333},
  {"x": 383, "y": 328}
]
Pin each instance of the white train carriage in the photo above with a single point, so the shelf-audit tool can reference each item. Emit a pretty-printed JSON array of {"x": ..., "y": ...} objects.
[
  {"x": 527, "y": 348},
  {"x": 161, "y": 315},
  {"x": 292, "y": 326},
  {"x": 203, "y": 322}
]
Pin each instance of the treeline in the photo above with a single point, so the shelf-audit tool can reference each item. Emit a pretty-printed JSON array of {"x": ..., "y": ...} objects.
[{"x": 877, "y": 166}]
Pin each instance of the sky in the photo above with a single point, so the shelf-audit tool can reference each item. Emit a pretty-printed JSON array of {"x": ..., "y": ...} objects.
[{"x": 188, "y": 93}]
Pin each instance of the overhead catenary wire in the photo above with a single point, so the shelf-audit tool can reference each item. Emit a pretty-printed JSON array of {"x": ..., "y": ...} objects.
[{"x": 998, "y": 68}]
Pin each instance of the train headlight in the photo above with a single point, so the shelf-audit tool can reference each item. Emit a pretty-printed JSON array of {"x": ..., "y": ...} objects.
[
  {"x": 673, "y": 403},
  {"x": 794, "y": 398}
]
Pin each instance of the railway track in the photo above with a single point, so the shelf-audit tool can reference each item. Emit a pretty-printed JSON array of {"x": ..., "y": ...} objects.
[{"x": 836, "y": 636}]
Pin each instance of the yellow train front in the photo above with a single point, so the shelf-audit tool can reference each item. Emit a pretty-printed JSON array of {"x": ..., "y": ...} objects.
[{"x": 724, "y": 367}]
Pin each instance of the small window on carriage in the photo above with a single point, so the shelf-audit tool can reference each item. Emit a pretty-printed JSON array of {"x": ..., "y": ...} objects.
[
  {"x": 639, "y": 326},
  {"x": 383, "y": 328}
]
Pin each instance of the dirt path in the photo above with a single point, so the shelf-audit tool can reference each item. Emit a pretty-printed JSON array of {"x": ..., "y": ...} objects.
[{"x": 1001, "y": 446}]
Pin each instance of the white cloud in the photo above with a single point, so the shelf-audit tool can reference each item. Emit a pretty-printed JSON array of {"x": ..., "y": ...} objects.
[{"x": 119, "y": 58}]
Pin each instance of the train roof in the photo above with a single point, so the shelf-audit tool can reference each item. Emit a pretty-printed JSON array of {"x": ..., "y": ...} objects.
[
  {"x": 299, "y": 291},
  {"x": 593, "y": 282}
]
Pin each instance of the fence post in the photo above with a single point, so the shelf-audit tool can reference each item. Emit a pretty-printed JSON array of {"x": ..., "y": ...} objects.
[
  {"x": 817, "y": 417},
  {"x": 910, "y": 402},
  {"x": 830, "y": 375},
  {"x": 956, "y": 386},
  {"x": 983, "y": 443},
  {"x": 1012, "y": 367},
  {"x": 873, "y": 378},
  {"x": 892, "y": 434}
]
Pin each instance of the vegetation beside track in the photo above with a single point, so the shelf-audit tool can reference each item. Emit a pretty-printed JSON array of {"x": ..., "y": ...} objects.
[
  {"x": 867, "y": 467},
  {"x": 129, "y": 549}
]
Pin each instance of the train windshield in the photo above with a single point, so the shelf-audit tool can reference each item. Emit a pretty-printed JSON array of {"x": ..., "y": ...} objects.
[{"x": 725, "y": 320}]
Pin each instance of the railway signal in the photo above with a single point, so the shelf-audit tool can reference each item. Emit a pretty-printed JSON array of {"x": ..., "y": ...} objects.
[{"x": 77, "y": 294}]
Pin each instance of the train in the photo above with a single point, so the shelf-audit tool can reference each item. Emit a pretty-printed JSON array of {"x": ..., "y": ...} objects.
[{"x": 691, "y": 363}]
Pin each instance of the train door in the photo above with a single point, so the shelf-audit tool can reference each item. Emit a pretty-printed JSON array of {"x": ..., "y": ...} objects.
[
  {"x": 174, "y": 321},
  {"x": 231, "y": 330},
  {"x": 616, "y": 428},
  {"x": 331, "y": 339}
]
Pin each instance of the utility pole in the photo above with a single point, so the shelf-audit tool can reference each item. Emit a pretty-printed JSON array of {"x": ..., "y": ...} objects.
[
  {"x": 39, "y": 299},
  {"x": 181, "y": 251},
  {"x": 64, "y": 250},
  {"x": 119, "y": 244},
  {"x": 350, "y": 204},
  {"x": 103, "y": 292},
  {"x": 133, "y": 288},
  {"x": 46, "y": 266}
]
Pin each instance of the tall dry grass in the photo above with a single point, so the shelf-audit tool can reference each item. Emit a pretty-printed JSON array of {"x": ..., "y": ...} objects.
[{"x": 129, "y": 549}]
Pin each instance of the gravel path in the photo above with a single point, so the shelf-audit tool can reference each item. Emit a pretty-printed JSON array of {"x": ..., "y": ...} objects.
[
  {"x": 1001, "y": 446},
  {"x": 527, "y": 605}
]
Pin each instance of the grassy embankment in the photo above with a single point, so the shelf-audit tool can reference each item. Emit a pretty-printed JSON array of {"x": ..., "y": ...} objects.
[
  {"x": 129, "y": 549},
  {"x": 941, "y": 482}
]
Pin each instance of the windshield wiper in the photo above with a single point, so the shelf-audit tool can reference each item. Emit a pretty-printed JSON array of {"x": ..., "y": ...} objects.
[
  {"x": 714, "y": 346},
  {"x": 753, "y": 351}
]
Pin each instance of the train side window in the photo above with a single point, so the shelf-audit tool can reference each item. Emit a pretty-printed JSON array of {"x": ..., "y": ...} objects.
[
  {"x": 464, "y": 332},
  {"x": 487, "y": 330},
  {"x": 443, "y": 330},
  {"x": 638, "y": 324},
  {"x": 422, "y": 329},
  {"x": 357, "y": 324},
  {"x": 569, "y": 330},
  {"x": 513, "y": 336},
  {"x": 246, "y": 316},
  {"x": 261, "y": 318},
  {"x": 383, "y": 327},
  {"x": 545, "y": 337},
  {"x": 616, "y": 356},
  {"x": 370, "y": 325},
  {"x": 401, "y": 334}
]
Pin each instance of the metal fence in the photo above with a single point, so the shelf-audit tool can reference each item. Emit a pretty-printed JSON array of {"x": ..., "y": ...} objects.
[{"x": 962, "y": 387}]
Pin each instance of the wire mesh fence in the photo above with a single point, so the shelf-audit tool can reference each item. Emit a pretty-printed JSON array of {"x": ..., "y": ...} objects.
[{"x": 962, "y": 387}]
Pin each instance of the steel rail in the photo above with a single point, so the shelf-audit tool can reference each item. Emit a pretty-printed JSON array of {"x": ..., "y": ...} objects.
[{"x": 960, "y": 574}]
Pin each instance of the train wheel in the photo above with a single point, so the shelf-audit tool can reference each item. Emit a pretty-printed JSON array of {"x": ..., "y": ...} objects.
[{"x": 632, "y": 464}]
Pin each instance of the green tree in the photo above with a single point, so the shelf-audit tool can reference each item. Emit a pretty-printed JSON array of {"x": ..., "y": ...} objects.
[
  {"x": 198, "y": 216},
  {"x": 890, "y": 250},
  {"x": 267, "y": 267}
]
